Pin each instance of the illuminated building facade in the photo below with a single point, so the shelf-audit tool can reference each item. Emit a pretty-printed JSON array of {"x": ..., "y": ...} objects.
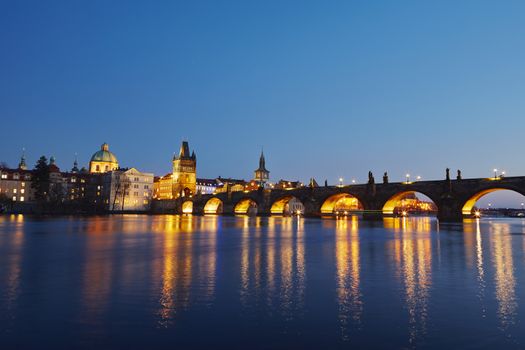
[
  {"x": 127, "y": 190},
  {"x": 163, "y": 187},
  {"x": 230, "y": 185},
  {"x": 207, "y": 186},
  {"x": 15, "y": 184},
  {"x": 103, "y": 161},
  {"x": 184, "y": 172}
]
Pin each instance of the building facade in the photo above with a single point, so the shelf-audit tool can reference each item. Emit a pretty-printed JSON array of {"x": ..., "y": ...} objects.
[
  {"x": 207, "y": 186},
  {"x": 127, "y": 190},
  {"x": 15, "y": 185},
  {"x": 163, "y": 187}
]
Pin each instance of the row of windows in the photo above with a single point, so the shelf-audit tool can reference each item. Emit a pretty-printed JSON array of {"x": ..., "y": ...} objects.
[{"x": 15, "y": 190}]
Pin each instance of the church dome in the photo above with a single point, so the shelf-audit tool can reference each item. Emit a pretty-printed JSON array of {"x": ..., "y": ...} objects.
[{"x": 104, "y": 155}]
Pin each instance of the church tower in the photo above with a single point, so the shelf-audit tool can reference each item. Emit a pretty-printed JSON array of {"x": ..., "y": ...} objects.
[
  {"x": 262, "y": 175},
  {"x": 22, "y": 165},
  {"x": 184, "y": 172}
]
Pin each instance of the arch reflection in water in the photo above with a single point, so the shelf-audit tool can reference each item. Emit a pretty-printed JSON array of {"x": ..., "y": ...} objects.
[
  {"x": 186, "y": 262},
  {"x": 412, "y": 253},
  {"x": 348, "y": 266}
]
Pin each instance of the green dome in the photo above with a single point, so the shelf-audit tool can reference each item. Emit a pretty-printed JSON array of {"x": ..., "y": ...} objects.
[{"x": 104, "y": 155}]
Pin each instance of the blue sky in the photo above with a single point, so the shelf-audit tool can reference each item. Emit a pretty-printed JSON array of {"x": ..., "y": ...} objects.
[{"x": 329, "y": 89}]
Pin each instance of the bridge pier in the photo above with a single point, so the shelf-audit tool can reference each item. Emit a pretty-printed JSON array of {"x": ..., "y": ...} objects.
[
  {"x": 373, "y": 215},
  {"x": 449, "y": 210}
]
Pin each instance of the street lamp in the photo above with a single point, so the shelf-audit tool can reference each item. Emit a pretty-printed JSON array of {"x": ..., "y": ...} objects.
[
  {"x": 495, "y": 173},
  {"x": 522, "y": 204},
  {"x": 340, "y": 181},
  {"x": 502, "y": 173},
  {"x": 408, "y": 178},
  {"x": 490, "y": 205},
  {"x": 418, "y": 178},
  {"x": 353, "y": 181}
]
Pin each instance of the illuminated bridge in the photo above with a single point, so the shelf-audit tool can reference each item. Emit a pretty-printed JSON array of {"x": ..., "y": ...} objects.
[{"x": 454, "y": 199}]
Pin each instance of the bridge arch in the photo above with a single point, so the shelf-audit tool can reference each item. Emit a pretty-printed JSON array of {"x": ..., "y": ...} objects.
[
  {"x": 407, "y": 201},
  {"x": 246, "y": 206},
  {"x": 187, "y": 207},
  {"x": 287, "y": 205},
  {"x": 213, "y": 206},
  {"x": 340, "y": 203},
  {"x": 470, "y": 203}
]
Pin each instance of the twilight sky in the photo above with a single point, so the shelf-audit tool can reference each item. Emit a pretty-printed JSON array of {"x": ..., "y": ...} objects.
[{"x": 329, "y": 88}]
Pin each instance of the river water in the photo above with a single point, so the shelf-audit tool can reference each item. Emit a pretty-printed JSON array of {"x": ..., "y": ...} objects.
[{"x": 238, "y": 282}]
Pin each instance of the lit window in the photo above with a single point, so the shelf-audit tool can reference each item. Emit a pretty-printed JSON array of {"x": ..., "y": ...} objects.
[
  {"x": 22, "y": 199},
  {"x": 4, "y": 176},
  {"x": 23, "y": 184},
  {"x": 22, "y": 191},
  {"x": 14, "y": 198},
  {"x": 14, "y": 190}
]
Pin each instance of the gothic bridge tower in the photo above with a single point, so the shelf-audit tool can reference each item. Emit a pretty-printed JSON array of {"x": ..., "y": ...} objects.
[{"x": 184, "y": 172}]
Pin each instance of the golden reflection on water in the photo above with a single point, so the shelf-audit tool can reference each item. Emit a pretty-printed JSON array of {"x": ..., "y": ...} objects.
[
  {"x": 348, "y": 274},
  {"x": 505, "y": 282},
  {"x": 179, "y": 270},
  {"x": 98, "y": 270},
  {"x": 412, "y": 253},
  {"x": 272, "y": 263},
  {"x": 11, "y": 263}
]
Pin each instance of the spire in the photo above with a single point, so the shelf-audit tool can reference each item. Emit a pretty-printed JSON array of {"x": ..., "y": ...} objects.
[
  {"x": 261, "y": 174},
  {"x": 262, "y": 162},
  {"x": 22, "y": 165},
  {"x": 52, "y": 160},
  {"x": 104, "y": 147},
  {"x": 75, "y": 165},
  {"x": 184, "y": 150}
]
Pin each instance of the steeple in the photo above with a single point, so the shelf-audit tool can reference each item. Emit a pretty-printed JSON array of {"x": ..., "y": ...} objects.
[
  {"x": 262, "y": 162},
  {"x": 261, "y": 174},
  {"x": 22, "y": 165},
  {"x": 75, "y": 165}
]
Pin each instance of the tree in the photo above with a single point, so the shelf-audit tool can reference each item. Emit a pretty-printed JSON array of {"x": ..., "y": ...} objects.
[
  {"x": 5, "y": 202},
  {"x": 40, "y": 179},
  {"x": 122, "y": 185}
]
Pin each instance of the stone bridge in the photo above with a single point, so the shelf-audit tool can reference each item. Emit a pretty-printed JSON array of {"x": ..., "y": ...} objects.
[{"x": 454, "y": 199}]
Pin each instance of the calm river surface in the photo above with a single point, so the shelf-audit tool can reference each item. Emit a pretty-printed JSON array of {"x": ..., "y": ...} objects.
[{"x": 238, "y": 282}]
